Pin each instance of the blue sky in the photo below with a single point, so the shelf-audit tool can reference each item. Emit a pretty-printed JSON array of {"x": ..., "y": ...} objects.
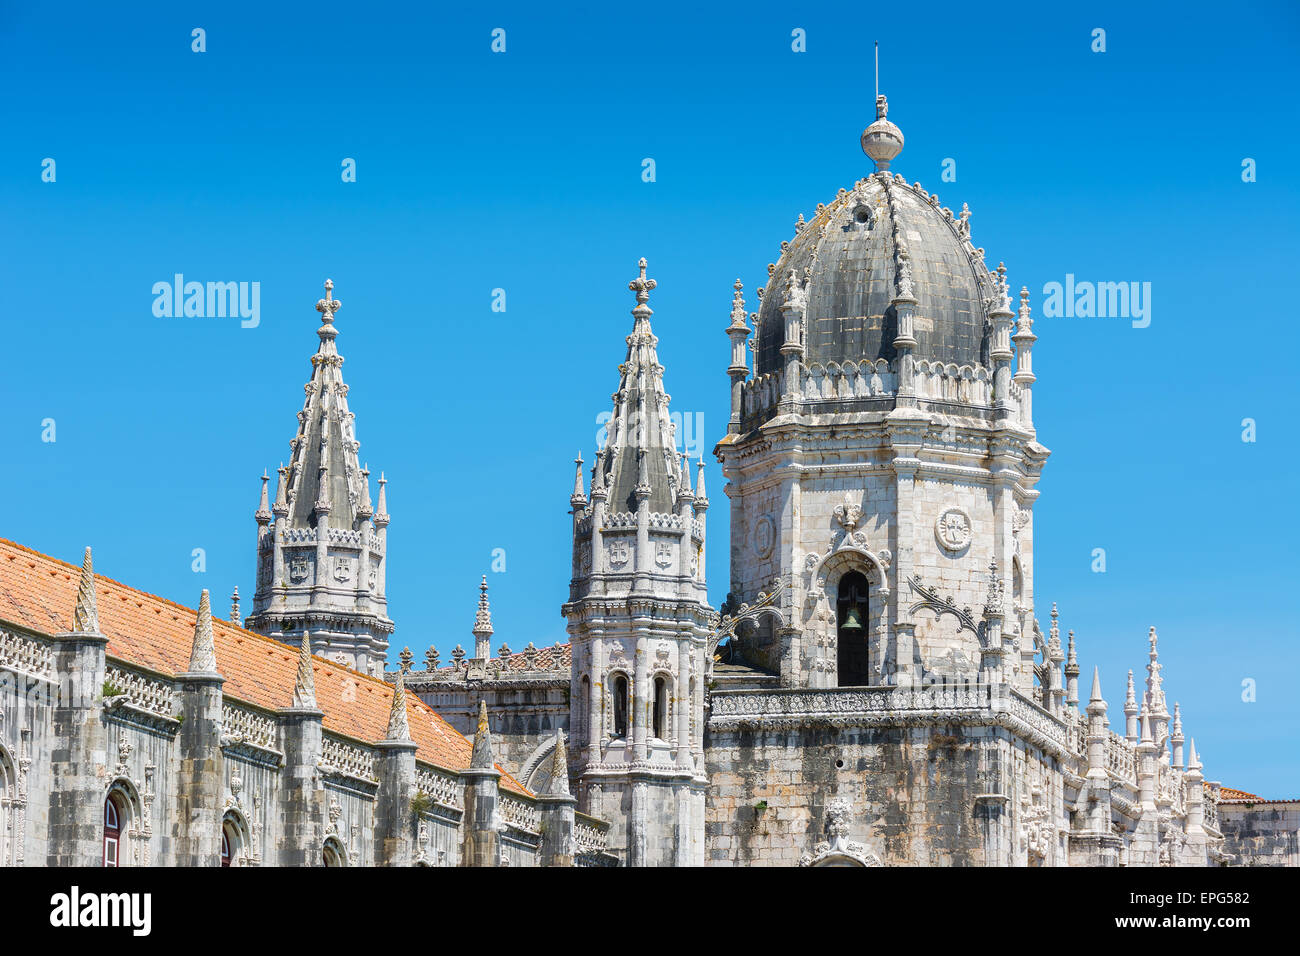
[{"x": 522, "y": 171}]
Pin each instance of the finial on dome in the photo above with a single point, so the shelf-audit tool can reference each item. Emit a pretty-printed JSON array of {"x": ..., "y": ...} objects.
[
  {"x": 882, "y": 140},
  {"x": 327, "y": 307}
]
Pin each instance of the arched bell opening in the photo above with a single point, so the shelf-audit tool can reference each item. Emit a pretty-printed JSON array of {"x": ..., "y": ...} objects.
[{"x": 853, "y": 641}]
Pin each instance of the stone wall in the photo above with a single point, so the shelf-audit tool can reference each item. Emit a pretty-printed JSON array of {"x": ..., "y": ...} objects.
[{"x": 1261, "y": 834}]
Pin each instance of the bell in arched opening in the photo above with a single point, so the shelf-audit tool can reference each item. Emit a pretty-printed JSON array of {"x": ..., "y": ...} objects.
[{"x": 853, "y": 655}]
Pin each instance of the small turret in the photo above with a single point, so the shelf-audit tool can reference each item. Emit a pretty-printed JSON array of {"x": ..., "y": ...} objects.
[{"x": 482, "y": 629}]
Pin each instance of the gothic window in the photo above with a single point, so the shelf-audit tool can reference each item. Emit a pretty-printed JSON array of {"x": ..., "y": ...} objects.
[
  {"x": 620, "y": 705},
  {"x": 114, "y": 813},
  {"x": 661, "y": 707},
  {"x": 232, "y": 840},
  {"x": 333, "y": 854},
  {"x": 852, "y": 634}
]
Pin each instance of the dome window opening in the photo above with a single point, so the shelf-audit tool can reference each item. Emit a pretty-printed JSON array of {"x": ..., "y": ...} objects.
[{"x": 862, "y": 215}]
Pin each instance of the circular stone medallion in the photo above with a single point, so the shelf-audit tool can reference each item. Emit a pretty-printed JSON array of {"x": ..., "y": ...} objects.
[{"x": 953, "y": 529}]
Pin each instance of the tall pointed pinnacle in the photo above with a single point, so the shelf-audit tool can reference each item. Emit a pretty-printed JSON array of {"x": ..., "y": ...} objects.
[
  {"x": 701, "y": 496},
  {"x": 560, "y": 767},
  {"x": 482, "y": 758},
  {"x": 1155, "y": 696},
  {"x": 381, "y": 507},
  {"x": 1146, "y": 730},
  {"x": 203, "y": 654},
  {"x": 579, "y": 496},
  {"x": 1193, "y": 761},
  {"x": 263, "y": 513},
  {"x": 85, "y": 616},
  {"x": 234, "y": 607},
  {"x": 638, "y": 462},
  {"x": 304, "y": 688},
  {"x": 482, "y": 629},
  {"x": 398, "y": 728},
  {"x": 1095, "y": 696},
  {"x": 1130, "y": 697}
]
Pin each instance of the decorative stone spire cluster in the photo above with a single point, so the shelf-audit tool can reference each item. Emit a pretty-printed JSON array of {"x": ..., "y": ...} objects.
[
  {"x": 85, "y": 617},
  {"x": 321, "y": 551},
  {"x": 483, "y": 624}
]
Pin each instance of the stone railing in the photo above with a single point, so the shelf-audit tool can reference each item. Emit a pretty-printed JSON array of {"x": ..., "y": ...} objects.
[
  {"x": 520, "y": 814},
  {"x": 620, "y": 521},
  {"x": 443, "y": 787},
  {"x": 761, "y": 392},
  {"x": 666, "y": 522},
  {"x": 240, "y": 726},
  {"x": 145, "y": 693},
  {"x": 966, "y": 384},
  {"x": 1041, "y": 721},
  {"x": 847, "y": 381},
  {"x": 345, "y": 536},
  {"x": 298, "y": 536},
  {"x": 1121, "y": 758},
  {"x": 589, "y": 834},
  {"x": 349, "y": 760},
  {"x": 697, "y": 529},
  {"x": 860, "y": 700},
  {"x": 1211, "y": 805},
  {"x": 26, "y": 655}
]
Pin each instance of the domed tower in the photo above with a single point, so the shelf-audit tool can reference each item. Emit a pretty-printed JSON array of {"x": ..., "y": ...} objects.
[
  {"x": 639, "y": 622},
  {"x": 881, "y": 456},
  {"x": 321, "y": 546}
]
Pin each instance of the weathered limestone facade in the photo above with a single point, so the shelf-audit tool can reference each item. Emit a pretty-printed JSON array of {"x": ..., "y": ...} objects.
[{"x": 197, "y": 777}]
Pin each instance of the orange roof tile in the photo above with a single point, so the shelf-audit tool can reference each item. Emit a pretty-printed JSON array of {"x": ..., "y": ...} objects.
[
  {"x": 1229, "y": 795},
  {"x": 38, "y": 593}
]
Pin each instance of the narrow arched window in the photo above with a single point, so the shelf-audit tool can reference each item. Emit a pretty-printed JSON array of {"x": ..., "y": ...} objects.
[
  {"x": 332, "y": 855},
  {"x": 112, "y": 831},
  {"x": 661, "y": 706},
  {"x": 583, "y": 730},
  {"x": 620, "y": 705},
  {"x": 225, "y": 847}
]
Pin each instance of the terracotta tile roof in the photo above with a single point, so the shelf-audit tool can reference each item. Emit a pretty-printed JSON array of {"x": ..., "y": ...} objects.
[
  {"x": 1229, "y": 795},
  {"x": 38, "y": 593}
]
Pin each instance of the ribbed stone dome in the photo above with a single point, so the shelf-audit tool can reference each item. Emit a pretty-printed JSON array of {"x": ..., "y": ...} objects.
[{"x": 845, "y": 266}]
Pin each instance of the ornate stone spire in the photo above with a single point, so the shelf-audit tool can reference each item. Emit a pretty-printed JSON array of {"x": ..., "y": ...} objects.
[
  {"x": 321, "y": 565},
  {"x": 1130, "y": 712},
  {"x": 304, "y": 688},
  {"x": 639, "y": 458},
  {"x": 560, "y": 767},
  {"x": 1155, "y": 696},
  {"x": 85, "y": 616},
  {"x": 1095, "y": 696},
  {"x": 482, "y": 629},
  {"x": 203, "y": 655},
  {"x": 701, "y": 495},
  {"x": 1193, "y": 761},
  {"x": 738, "y": 307},
  {"x": 234, "y": 605},
  {"x": 398, "y": 728},
  {"x": 482, "y": 757}
]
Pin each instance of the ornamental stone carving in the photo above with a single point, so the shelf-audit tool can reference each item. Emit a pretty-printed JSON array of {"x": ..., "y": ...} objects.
[
  {"x": 342, "y": 570},
  {"x": 953, "y": 529},
  {"x": 764, "y": 536},
  {"x": 839, "y": 850},
  {"x": 663, "y": 554},
  {"x": 848, "y": 515},
  {"x": 619, "y": 553},
  {"x": 299, "y": 568}
]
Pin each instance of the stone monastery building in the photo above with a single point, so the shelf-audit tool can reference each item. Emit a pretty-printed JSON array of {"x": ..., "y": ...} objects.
[{"x": 876, "y": 691}]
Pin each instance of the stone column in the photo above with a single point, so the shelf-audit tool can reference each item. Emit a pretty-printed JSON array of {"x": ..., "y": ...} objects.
[
  {"x": 302, "y": 796},
  {"x": 481, "y": 824},
  {"x": 200, "y": 777},
  {"x": 79, "y": 752},
  {"x": 557, "y": 806}
]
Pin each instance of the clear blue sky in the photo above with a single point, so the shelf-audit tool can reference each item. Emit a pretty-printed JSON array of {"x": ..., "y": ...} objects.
[{"x": 522, "y": 171}]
